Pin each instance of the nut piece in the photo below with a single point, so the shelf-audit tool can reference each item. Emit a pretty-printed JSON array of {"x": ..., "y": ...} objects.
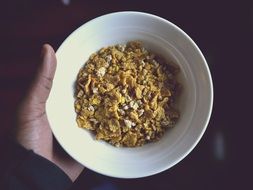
[
  {"x": 121, "y": 111},
  {"x": 94, "y": 121},
  {"x": 91, "y": 108},
  {"x": 126, "y": 107},
  {"x": 108, "y": 58},
  {"x": 134, "y": 105},
  {"x": 101, "y": 72},
  {"x": 95, "y": 90},
  {"x": 140, "y": 112}
]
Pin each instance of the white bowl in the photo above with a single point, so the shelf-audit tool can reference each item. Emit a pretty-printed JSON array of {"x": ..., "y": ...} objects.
[{"x": 195, "y": 103}]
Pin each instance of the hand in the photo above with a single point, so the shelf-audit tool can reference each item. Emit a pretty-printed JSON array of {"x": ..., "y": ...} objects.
[{"x": 33, "y": 130}]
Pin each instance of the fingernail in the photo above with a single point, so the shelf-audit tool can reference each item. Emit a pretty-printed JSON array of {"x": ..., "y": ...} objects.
[{"x": 43, "y": 49}]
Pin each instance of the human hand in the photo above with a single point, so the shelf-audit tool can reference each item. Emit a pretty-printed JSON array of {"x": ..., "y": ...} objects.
[{"x": 33, "y": 130}]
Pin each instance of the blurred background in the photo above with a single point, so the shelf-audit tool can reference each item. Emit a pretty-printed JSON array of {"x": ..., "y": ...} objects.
[{"x": 223, "y": 30}]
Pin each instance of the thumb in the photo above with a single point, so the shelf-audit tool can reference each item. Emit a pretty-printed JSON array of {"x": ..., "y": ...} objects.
[
  {"x": 33, "y": 105},
  {"x": 42, "y": 84}
]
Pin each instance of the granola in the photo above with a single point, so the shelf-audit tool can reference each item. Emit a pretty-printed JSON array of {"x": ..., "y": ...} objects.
[{"x": 125, "y": 95}]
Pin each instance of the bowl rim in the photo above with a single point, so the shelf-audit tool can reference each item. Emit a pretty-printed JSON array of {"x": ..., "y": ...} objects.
[{"x": 90, "y": 22}]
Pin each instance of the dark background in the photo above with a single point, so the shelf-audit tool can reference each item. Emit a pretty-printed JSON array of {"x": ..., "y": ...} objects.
[{"x": 222, "y": 30}]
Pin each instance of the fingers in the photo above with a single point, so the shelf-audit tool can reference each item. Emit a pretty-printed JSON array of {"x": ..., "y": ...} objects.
[
  {"x": 33, "y": 130},
  {"x": 33, "y": 106},
  {"x": 42, "y": 84}
]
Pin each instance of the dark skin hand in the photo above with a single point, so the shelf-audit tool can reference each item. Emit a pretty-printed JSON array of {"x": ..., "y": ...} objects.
[{"x": 33, "y": 130}]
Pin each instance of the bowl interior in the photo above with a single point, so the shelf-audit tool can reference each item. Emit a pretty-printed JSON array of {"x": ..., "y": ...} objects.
[{"x": 195, "y": 102}]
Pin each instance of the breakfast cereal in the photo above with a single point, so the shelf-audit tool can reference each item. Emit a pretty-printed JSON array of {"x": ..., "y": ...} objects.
[{"x": 126, "y": 95}]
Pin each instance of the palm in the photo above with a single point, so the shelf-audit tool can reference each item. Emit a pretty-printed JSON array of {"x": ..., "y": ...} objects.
[{"x": 33, "y": 130}]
